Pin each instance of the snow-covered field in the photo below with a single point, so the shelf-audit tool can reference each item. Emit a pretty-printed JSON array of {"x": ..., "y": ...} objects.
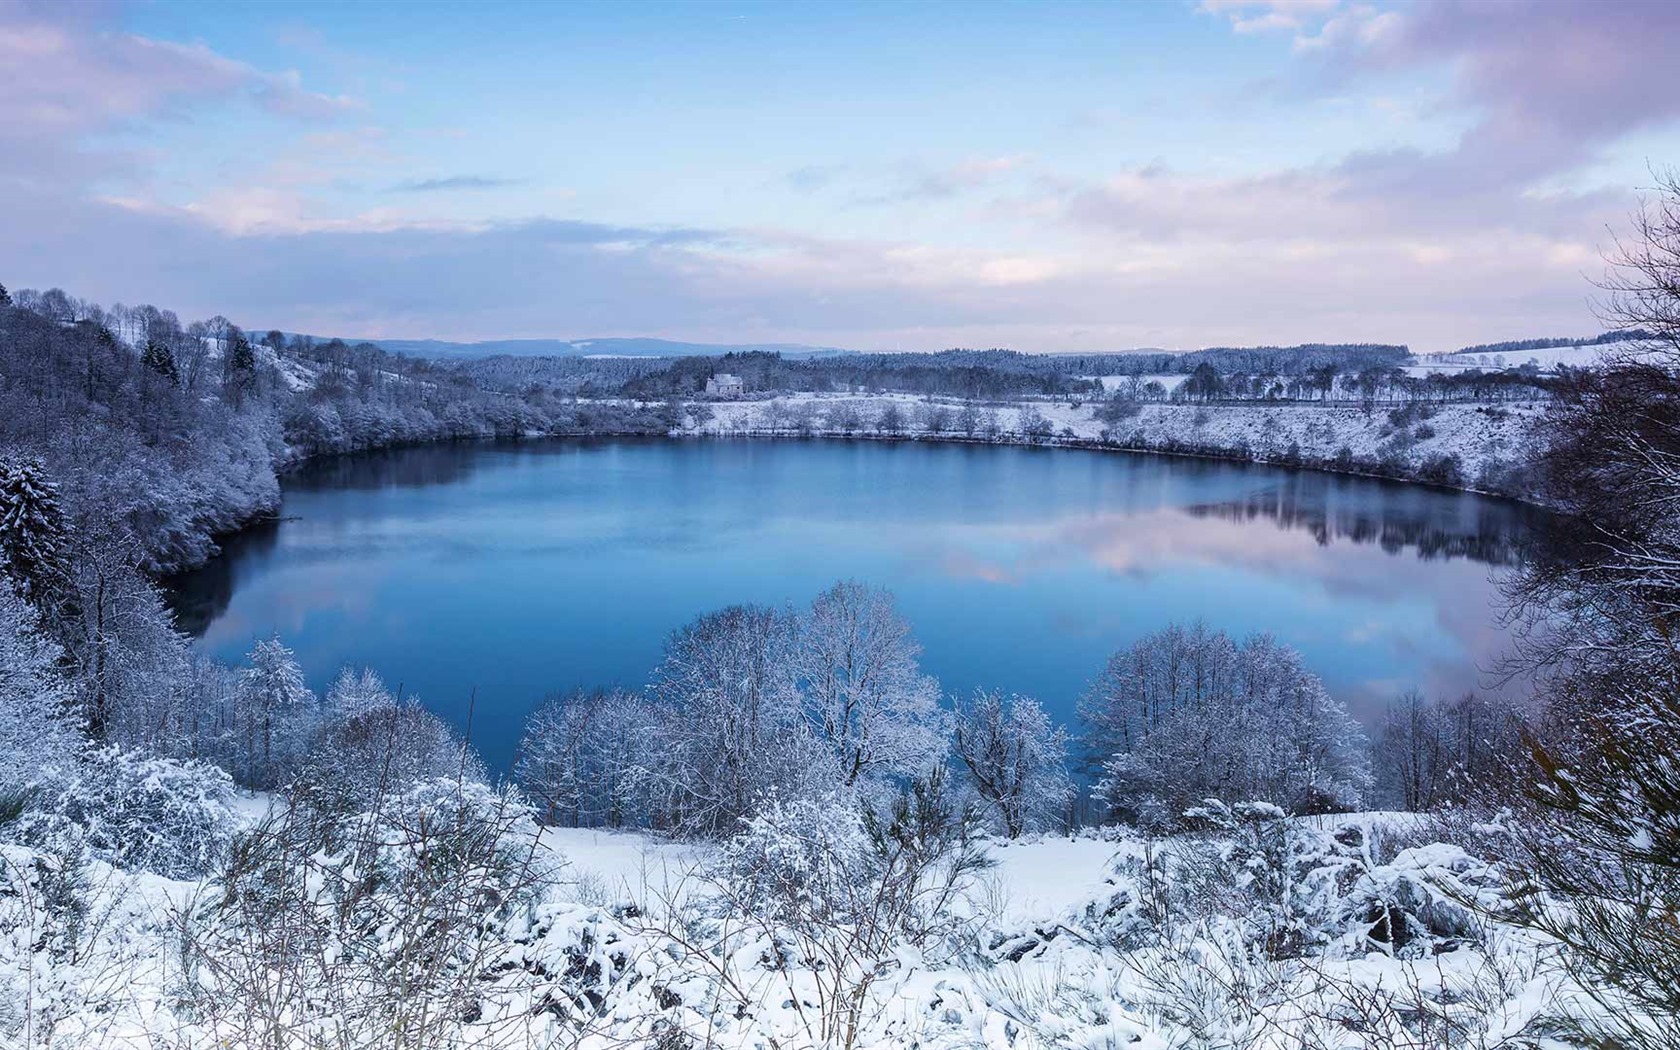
[{"x": 1547, "y": 359}]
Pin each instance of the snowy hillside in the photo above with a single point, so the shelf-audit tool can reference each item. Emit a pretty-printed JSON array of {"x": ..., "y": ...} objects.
[
  {"x": 1253, "y": 931},
  {"x": 1482, "y": 443}
]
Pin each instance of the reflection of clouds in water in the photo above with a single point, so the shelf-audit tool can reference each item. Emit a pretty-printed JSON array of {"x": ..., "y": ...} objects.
[
  {"x": 959, "y": 565},
  {"x": 287, "y": 601},
  {"x": 1435, "y": 613}
]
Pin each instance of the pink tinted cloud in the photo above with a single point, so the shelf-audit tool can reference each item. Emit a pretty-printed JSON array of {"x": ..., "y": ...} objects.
[
  {"x": 1550, "y": 82},
  {"x": 68, "y": 71}
]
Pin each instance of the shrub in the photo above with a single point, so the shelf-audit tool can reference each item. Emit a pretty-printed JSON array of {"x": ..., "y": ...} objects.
[{"x": 164, "y": 815}]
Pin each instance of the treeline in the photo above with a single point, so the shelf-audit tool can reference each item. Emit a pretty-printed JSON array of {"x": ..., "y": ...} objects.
[
  {"x": 1368, "y": 386},
  {"x": 1274, "y": 360},
  {"x": 756, "y": 706},
  {"x": 580, "y": 376},
  {"x": 974, "y": 374},
  {"x": 1519, "y": 345}
]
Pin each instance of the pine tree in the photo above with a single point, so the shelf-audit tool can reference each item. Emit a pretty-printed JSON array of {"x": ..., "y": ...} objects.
[
  {"x": 239, "y": 368},
  {"x": 161, "y": 360},
  {"x": 5, "y": 296},
  {"x": 34, "y": 536}
]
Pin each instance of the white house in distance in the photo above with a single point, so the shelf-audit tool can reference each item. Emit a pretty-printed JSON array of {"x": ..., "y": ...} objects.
[{"x": 725, "y": 385}]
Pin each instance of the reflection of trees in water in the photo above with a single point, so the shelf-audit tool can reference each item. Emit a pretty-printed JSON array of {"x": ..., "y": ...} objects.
[
  {"x": 1395, "y": 517},
  {"x": 198, "y": 597},
  {"x": 416, "y": 467}
]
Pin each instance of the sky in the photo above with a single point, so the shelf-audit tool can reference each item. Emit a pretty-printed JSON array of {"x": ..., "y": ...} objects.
[{"x": 897, "y": 176}]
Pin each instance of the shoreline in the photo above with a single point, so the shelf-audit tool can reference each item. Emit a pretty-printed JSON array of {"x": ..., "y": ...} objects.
[{"x": 1234, "y": 452}]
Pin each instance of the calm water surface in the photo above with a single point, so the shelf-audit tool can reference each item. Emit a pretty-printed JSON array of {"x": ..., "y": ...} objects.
[{"x": 517, "y": 570}]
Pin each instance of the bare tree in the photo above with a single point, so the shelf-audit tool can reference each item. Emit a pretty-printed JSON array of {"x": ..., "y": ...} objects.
[
  {"x": 863, "y": 690},
  {"x": 1598, "y": 860},
  {"x": 1015, "y": 758}
]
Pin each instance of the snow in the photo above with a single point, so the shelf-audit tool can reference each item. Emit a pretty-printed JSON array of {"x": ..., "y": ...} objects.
[
  {"x": 1059, "y": 953},
  {"x": 1044, "y": 878},
  {"x": 612, "y": 868},
  {"x": 1547, "y": 359},
  {"x": 1480, "y": 435}
]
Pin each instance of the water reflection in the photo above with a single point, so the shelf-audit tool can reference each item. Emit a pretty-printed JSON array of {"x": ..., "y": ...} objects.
[
  {"x": 522, "y": 568},
  {"x": 1432, "y": 524}
]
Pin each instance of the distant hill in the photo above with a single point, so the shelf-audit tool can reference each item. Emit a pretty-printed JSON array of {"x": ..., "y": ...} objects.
[{"x": 440, "y": 349}]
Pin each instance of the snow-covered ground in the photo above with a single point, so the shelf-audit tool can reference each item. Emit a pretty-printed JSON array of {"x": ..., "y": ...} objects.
[
  {"x": 1484, "y": 438},
  {"x": 1083, "y": 942},
  {"x": 1547, "y": 359}
]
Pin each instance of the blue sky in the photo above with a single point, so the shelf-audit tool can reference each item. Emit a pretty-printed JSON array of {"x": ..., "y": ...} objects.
[{"x": 1044, "y": 176}]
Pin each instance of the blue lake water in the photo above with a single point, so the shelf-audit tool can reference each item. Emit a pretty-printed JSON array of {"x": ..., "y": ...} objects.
[{"x": 508, "y": 571}]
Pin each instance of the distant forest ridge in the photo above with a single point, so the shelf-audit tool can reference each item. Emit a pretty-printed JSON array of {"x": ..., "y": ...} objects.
[
  {"x": 1520, "y": 345},
  {"x": 1252, "y": 359},
  {"x": 439, "y": 349},
  {"x": 967, "y": 373}
]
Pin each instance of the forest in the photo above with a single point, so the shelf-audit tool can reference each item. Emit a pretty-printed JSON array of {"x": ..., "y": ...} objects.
[{"x": 198, "y": 854}]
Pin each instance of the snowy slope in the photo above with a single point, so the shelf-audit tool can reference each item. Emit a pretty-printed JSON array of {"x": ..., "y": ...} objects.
[
  {"x": 1484, "y": 439},
  {"x": 1058, "y": 944}
]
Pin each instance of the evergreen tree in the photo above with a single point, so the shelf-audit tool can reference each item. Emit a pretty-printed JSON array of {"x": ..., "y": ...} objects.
[
  {"x": 35, "y": 538},
  {"x": 161, "y": 360},
  {"x": 239, "y": 367},
  {"x": 5, "y": 296}
]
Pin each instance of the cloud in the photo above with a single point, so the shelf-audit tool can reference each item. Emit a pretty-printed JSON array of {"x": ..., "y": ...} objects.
[
  {"x": 1267, "y": 16},
  {"x": 814, "y": 177},
  {"x": 454, "y": 182},
  {"x": 1435, "y": 248},
  {"x": 66, "y": 74},
  {"x": 1548, "y": 83}
]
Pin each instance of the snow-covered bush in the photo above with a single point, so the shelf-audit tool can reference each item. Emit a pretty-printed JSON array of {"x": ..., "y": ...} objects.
[
  {"x": 1279, "y": 881},
  {"x": 368, "y": 747},
  {"x": 139, "y": 811},
  {"x": 391, "y": 928},
  {"x": 799, "y": 857},
  {"x": 1424, "y": 901},
  {"x": 70, "y": 947}
]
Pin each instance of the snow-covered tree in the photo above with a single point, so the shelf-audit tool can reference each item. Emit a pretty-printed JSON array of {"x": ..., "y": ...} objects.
[
  {"x": 132, "y": 661},
  {"x": 34, "y": 536},
  {"x": 582, "y": 757},
  {"x": 863, "y": 690},
  {"x": 731, "y": 721},
  {"x": 356, "y": 691},
  {"x": 1015, "y": 758},
  {"x": 275, "y": 707},
  {"x": 1188, "y": 714},
  {"x": 35, "y": 734},
  {"x": 160, "y": 359}
]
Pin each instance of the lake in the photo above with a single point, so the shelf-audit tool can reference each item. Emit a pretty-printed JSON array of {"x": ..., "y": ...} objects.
[{"x": 505, "y": 571}]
